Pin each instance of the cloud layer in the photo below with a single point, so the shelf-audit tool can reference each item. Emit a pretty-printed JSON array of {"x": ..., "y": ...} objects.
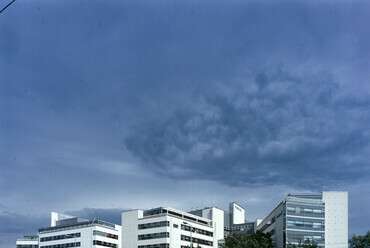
[
  {"x": 295, "y": 128},
  {"x": 159, "y": 103}
]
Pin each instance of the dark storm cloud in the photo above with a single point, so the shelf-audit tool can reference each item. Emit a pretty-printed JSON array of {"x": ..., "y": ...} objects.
[{"x": 268, "y": 131}]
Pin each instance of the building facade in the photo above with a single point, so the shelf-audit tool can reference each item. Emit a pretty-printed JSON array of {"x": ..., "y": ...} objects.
[
  {"x": 232, "y": 221},
  {"x": 235, "y": 221},
  {"x": 68, "y": 231},
  {"x": 166, "y": 227},
  {"x": 320, "y": 217}
]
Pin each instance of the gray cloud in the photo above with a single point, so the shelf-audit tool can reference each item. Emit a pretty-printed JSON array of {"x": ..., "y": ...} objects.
[{"x": 278, "y": 128}]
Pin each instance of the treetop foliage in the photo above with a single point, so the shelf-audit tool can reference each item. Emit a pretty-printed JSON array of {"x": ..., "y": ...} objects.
[
  {"x": 257, "y": 240},
  {"x": 360, "y": 241}
]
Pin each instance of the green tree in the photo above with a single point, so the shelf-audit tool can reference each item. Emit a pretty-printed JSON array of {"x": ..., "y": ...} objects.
[
  {"x": 306, "y": 244},
  {"x": 257, "y": 240},
  {"x": 360, "y": 241}
]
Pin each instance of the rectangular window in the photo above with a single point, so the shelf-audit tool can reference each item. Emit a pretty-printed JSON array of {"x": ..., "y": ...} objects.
[
  {"x": 297, "y": 210},
  {"x": 308, "y": 210},
  {"x": 317, "y": 211},
  {"x": 153, "y": 225},
  {"x": 299, "y": 223},
  {"x": 291, "y": 209},
  {"x": 154, "y": 236},
  {"x": 317, "y": 225}
]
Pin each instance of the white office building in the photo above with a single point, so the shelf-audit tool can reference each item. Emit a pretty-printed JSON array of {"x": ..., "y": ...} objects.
[
  {"x": 321, "y": 217},
  {"x": 68, "y": 231},
  {"x": 168, "y": 227},
  {"x": 233, "y": 221}
]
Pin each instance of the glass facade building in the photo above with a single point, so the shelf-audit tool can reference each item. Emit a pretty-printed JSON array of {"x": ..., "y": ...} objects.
[
  {"x": 304, "y": 219},
  {"x": 319, "y": 217}
]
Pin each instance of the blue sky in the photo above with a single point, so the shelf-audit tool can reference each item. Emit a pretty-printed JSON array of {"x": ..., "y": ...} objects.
[{"x": 111, "y": 105}]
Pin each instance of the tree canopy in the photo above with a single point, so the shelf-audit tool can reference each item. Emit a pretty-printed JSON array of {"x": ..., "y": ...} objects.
[
  {"x": 257, "y": 240},
  {"x": 360, "y": 241}
]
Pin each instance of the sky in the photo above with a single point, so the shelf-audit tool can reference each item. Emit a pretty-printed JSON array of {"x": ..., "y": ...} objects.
[{"x": 114, "y": 105}]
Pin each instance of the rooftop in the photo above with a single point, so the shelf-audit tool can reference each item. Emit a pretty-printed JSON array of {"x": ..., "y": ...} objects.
[
  {"x": 77, "y": 225},
  {"x": 177, "y": 213}
]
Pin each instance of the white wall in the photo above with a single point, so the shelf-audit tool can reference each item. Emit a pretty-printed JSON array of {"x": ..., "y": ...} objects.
[
  {"x": 256, "y": 224},
  {"x": 85, "y": 239},
  {"x": 27, "y": 242},
  {"x": 175, "y": 233},
  {"x": 130, "y": 228},
  {"x": 153, "y": 230},
  {"x": 238, "y": 213},
  {"x": 57, "y": 216},
  {"x": 217, "y": 217},
  {"x": 106, "y": 239},
  {"x": 218, "y": 225},
  {"x": 336, "y": 219},
  {"x": 54, "y": 218}
]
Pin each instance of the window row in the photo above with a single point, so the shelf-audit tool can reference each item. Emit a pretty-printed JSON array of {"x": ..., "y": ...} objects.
[
  {"x": 67, "y": 245},
  {"x": 295, "y": 237},
  {"x": 154, "y": 236},
  {"x": 104, "y": 234},
  {"x": 159, "y": 211},
  {"x": 305, "y": 211},
  {"x": 306, "y": 224},
  {"x": 196, "y": 230},
  {"x": 59, "y": 237},
  {"x": 154, "y": 225},
  {"x": 197, "y": 241},
  {"x": 106, "y": 244},
  {"x": 164, "y": 245}
]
